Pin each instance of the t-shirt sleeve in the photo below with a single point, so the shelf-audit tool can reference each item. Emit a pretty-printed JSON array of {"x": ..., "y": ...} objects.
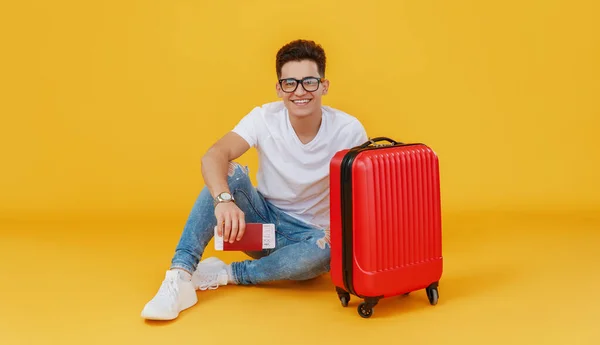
[
  {"x": 359, "y": 134},
  {"x": 248, "y": 127}
]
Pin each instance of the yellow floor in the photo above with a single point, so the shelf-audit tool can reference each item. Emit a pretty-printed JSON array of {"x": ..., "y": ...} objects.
[{"x": 509, "y": 279}]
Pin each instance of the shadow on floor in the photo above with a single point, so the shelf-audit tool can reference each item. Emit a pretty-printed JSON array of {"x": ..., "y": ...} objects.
[{"x": 452, "y": 289}]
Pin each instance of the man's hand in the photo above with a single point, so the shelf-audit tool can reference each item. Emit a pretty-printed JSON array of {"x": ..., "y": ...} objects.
[{"x": 231, "y": 223}]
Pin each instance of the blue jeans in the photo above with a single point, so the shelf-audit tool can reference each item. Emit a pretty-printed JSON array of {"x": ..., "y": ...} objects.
[{"x": 302, "y": 250}]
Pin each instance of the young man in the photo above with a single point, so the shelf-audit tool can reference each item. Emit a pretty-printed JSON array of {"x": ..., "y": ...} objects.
[{"x": 296, "y": 139}]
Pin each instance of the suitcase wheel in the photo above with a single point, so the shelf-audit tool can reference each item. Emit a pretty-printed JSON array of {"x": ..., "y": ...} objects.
[
  {"x": 432, "y": 293},
  {"x": 364, "y": 310},
  {"x": 345, "y": 299},
  {"x": 344, "y": 296}
]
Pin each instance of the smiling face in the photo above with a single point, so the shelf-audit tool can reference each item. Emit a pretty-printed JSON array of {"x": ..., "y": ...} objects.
[{"x": 302, "y": 103}]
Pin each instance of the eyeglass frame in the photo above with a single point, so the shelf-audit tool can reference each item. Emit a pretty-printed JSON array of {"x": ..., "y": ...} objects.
[{"x": 301, "y": 82}]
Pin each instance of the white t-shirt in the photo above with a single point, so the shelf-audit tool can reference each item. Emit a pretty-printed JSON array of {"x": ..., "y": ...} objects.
[{"x": 294, "y": 176}]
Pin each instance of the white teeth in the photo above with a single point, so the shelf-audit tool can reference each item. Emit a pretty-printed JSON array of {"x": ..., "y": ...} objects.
[{"x": 301, "y": 101}]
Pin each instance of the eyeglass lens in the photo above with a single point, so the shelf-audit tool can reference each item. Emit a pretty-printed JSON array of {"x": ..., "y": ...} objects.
[{"x": 309, "y": 84}]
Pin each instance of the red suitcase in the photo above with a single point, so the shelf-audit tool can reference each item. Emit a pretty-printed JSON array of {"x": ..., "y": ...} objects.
[{"x": 386, "y": 236}]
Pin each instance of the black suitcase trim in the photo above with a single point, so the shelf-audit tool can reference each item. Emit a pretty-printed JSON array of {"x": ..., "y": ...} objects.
[{"x": 347, "y": 226}]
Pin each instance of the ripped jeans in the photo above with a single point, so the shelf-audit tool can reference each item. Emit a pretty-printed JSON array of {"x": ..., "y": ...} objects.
[{"x": 302, "y": 250}]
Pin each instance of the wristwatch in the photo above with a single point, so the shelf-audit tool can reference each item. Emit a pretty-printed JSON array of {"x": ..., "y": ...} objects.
[{"x": 223, "y": 197}]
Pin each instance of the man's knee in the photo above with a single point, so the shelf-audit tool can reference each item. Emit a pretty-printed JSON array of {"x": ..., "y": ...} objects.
[
  {"x": 314, "y": 266},
  {"x": 324, "y": 241},
  {"x": 323, "y": 251},
  {"x": 323, "y": 259},
  {"x": 236, "y": 170},
  {"x": 236, "y": 173},
  {"x": 317, "y": 260}
]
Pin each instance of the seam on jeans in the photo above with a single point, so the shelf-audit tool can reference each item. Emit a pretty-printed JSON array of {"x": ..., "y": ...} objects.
[
  {"x": 235, "y": 272},
  {"x": 308, "y": 237},
  {"x": 251, "y": 204},
  {"x": 289, "y": 238}
]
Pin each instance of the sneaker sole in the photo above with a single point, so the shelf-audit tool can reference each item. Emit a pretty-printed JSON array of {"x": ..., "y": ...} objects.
[{"x": 149, "y": 316}]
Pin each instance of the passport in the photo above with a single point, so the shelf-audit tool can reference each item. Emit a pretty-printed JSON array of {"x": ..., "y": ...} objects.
[{"x": 257, "y": 236}]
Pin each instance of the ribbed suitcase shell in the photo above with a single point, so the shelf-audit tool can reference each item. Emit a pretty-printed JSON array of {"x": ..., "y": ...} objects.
[{"x": 392, "y": 240}]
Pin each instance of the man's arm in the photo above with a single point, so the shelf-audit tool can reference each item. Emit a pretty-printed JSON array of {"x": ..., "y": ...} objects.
[
  {"x": 231, "y": 222},
  {"x": 215, "y": 163}
]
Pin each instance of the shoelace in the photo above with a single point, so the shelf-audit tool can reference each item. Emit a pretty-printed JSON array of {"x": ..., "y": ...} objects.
[
  {"x": 208, "y": 281},
  {"x": 169, "y": 288}
]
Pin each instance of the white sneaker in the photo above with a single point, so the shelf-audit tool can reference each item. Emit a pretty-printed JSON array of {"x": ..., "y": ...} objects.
[
  {"x": 175, "y": 294},
  {"x": 210, "y": 274}
]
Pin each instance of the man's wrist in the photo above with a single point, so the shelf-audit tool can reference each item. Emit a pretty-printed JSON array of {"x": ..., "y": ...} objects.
[
  {"x": 216, "y": 190},
  {"x": 223, "y": 197}
]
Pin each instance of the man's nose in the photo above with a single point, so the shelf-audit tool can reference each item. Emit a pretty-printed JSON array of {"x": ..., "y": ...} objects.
[{"x": 300, "y": 90}]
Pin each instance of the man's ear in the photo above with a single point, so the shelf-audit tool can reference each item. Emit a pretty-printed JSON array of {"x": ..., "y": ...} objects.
[
  {"x": 278, "y": 90},
  {"x": 325, "y": 86}
]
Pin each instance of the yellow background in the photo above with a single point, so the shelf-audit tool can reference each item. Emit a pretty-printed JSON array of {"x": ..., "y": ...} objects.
[{"x": 108, "y": 106}]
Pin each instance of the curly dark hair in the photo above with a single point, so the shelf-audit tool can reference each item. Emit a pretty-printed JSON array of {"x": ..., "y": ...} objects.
[{"x": 299, "y": 50}]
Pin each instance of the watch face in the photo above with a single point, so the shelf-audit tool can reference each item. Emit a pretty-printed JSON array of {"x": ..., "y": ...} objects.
[{"x": 225, "y": 196}]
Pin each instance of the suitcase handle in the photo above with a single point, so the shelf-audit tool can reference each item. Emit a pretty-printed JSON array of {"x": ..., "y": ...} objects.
[{"x": 374, "y": 140}]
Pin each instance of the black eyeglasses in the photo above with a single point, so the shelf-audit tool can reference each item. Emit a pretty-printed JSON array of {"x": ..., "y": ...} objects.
[{"x": 309, "y": 84}]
